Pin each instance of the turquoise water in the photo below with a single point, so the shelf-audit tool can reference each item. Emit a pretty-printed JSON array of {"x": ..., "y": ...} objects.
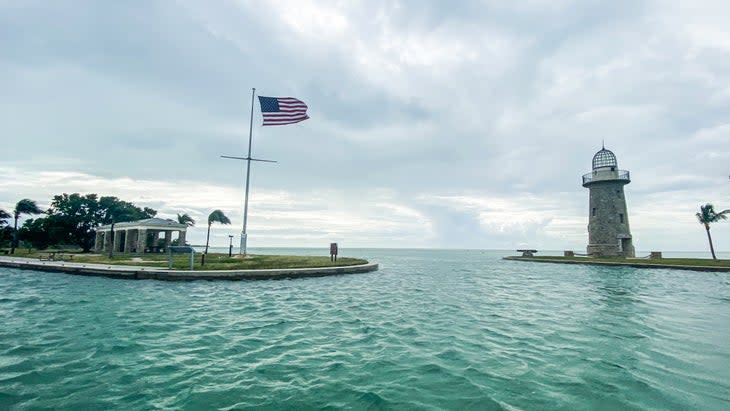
[{"x": 432, "y": 329}]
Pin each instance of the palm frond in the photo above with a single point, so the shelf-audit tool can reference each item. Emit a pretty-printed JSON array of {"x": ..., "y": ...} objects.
[
  {"x": 708, "y": 215},
  {"x": 722, "y": 215},
  {"x": 217, "y": 216},
  {"x": 185, "y": 219},
  {"x": 27, "y": 206},
  {"x": 4, "y": 216}
]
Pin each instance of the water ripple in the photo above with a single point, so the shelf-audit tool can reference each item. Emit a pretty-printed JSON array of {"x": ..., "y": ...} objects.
[{"x": 431, "y": 330}]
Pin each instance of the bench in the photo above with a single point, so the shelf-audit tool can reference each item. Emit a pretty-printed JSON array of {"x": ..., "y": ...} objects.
[
  {"x": 54, "y": 255},
  {"x": 527, "y": 253},
  {"x": 47, "y": 256}
]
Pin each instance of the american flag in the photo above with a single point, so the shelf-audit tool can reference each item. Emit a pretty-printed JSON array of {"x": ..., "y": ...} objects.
[{"x": 278, "y": 111}]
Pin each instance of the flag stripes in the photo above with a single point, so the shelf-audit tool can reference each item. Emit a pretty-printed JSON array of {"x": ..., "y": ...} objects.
[{"x": 278, "y": 111}]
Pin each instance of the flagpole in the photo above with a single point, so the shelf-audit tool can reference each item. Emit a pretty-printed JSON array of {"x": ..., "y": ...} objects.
[
  {"x": 294, "y": 112},
  {"x": 248, "y": 175}
]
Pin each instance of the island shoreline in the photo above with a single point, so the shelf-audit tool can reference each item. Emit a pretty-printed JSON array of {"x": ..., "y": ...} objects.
[
  {"x": 156, "y": 273},
  {"x": 635, "y": 264}
]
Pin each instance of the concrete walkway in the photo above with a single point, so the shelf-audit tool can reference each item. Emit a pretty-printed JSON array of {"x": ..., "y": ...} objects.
[{"x": 156, "y": 273}]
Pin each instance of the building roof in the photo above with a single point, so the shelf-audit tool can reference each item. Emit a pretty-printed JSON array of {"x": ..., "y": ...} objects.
[
  {"x": 604, "y": 158},
  {"x": 155, "y": 223}
]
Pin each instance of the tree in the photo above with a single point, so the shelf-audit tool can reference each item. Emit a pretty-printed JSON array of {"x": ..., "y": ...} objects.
[
  {"x": 24, "y": 206},
  {"x": 185, "y": 219},
  {"x": 37, "y": 232},
  {"x": 6, "y": 232},
  {"x": 216, "y": 216},
  {"x": 708, "y": 215},
  {"x": 73, "y": 218},
  {"x": 188, "y": 221},
  {"x": 114, "y": 210},
  {"x": 6, "y": 235}
]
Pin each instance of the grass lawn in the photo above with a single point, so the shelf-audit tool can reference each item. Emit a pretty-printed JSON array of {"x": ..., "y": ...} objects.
[
  {"x": 213, "y": 261},
  {"x": 696, "y": 262}
]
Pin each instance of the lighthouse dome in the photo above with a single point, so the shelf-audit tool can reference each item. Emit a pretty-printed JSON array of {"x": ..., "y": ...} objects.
[{"x": 604, "y": 158}]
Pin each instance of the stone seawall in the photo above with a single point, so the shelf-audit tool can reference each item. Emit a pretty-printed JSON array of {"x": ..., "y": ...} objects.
[
  {"x": 143, "y": 273},
  {"x": 635, "y": 264}
]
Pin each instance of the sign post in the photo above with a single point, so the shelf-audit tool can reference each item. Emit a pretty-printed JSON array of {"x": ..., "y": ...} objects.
[
  {"x": 333, "y": 251},
  {"x": 180, "y": 250}
]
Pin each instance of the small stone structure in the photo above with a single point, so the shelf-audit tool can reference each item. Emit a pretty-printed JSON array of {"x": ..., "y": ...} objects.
[
  {"x": 608, "y": 219},
  {"x": 139, "y": 236}
]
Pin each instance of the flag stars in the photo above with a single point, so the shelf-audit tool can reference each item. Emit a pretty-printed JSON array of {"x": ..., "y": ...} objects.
[{"x": 279, "y": 111}]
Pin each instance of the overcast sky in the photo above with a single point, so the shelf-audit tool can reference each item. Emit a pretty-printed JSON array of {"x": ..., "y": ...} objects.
[{"x": 433, "y": 124}]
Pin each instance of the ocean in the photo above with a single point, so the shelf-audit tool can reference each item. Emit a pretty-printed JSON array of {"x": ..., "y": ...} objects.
[{"x": 431, "y": 330}]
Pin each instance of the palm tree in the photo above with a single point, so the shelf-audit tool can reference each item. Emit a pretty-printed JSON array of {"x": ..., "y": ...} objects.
[
  {"x": 24, "y": 206},
  {"x": 708, "y": 215},
  {"x": 216, "y": 216},
  {"x": 185, "y": 219}
]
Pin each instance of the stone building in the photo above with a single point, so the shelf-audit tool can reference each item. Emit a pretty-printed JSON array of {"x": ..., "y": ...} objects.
[
  {"x": 608, "y": 218},
  {"x": 150, "y": 235}
]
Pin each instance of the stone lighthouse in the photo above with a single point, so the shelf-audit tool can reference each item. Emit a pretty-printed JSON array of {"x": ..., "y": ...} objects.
[{"x": 608, "y": 219}]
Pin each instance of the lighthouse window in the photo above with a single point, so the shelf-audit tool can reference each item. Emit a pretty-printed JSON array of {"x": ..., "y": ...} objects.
[
  {"x": 621, "y": 218},
  {"x": 593, "y": 212},
  {"x": 618, "y": 193}
]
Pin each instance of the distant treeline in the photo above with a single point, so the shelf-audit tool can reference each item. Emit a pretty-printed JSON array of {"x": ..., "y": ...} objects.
[{"x": 71, "y": 220}]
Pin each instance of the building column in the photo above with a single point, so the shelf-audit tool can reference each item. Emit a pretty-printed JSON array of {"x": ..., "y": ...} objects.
[
  {"x": 181, "y": 237},
  {"x": 117, "y": 240},
  {"x": 133, "y": 240},
  {"x": 141, "y": 240},
  {"x": 168, "y": 239},
  {"x": 128, "y": 241},
  {"x": 107, "y": 241},
  {"x": 154, "y": 235},
  {"x": 98, "y": 241}
]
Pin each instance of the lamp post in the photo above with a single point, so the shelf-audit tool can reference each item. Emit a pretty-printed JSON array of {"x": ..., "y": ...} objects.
[{"x": 230, "y": 245}]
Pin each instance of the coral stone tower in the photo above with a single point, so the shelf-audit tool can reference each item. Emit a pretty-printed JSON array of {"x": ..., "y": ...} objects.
[{"x": 608, "y": 219}]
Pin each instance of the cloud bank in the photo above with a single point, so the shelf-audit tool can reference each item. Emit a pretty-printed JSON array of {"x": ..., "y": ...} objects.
[{"x": 432, "y": 125}]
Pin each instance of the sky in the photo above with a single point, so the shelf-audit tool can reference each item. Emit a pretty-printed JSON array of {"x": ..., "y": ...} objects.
[{"x": 433, "y": 124}]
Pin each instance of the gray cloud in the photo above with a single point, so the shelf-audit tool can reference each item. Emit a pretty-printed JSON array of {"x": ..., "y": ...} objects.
[{"x": 485, "y": 100}]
